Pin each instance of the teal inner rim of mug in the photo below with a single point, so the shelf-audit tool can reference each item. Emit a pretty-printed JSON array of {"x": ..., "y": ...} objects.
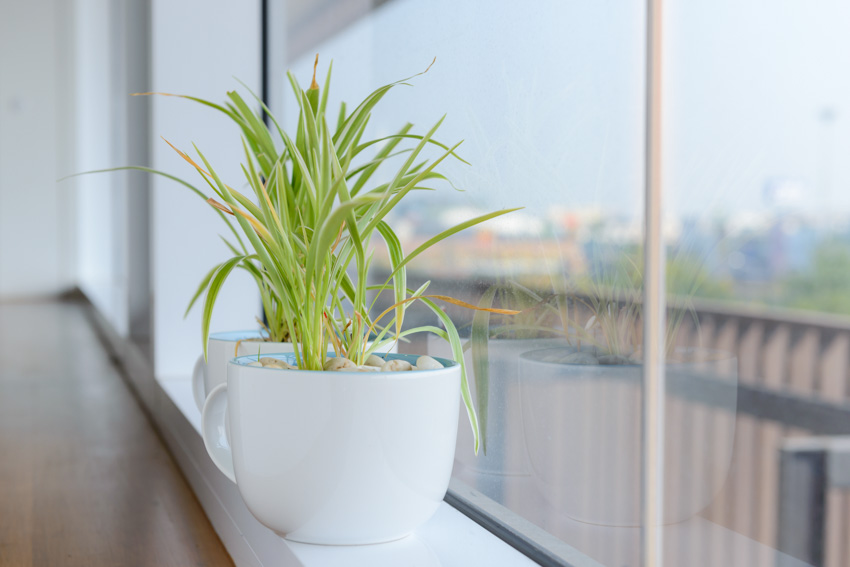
[{"x": 289, "y": 358}]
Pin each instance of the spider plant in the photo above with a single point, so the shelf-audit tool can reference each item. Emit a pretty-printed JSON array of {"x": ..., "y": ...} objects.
[
  {"x": 309, "y": 232},
  {"x": 314, "y": 222}
]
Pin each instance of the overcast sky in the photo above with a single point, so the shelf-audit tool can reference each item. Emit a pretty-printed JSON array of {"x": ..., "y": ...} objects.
[{"x": 549, "y": 98}]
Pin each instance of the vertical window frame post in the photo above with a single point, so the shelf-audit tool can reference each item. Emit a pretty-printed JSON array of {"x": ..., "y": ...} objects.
[{"x": 654, "y": 319}]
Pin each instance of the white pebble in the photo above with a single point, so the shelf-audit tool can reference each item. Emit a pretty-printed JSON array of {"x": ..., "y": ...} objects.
[
  {"x": 269, "y": 362},
  {"x": 374, "y": 360},
  {"x": 396, "y": 365},
  {"x": 255, "y": 363},
  {"x": 366, "y": 368},
  {"x": 426, "y": 362},
  {"x": 339, "y": 363}
]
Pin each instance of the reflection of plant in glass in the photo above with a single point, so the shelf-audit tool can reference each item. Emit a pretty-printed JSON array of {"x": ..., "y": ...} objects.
[
  {"x": 531, "y": 318},
  {"x": 602, "y": 311},
  {"x": 614, "y": 298}
]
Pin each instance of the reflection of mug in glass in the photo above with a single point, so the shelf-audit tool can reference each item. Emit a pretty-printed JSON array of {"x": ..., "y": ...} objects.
[
  {"x": 336, "y": 457},
  {"x": 505, "y": 454},
  {"x": 582, "y": 425},
  {"x": 495, "y": 473}
]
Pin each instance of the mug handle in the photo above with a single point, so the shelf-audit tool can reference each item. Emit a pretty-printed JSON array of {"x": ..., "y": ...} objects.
[
  {"x": 199, "y": 389},
  {"x": 214, "y": 429}
]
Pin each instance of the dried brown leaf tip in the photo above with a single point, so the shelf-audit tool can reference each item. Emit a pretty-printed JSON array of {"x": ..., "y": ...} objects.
[
  {"x": 186, "y": 157},
  {"x": 431, "y": 65},
  {"x": 219, "y": 206},
  {"x": 314, "y": 85},
  {"x": 460, "y": 303}
]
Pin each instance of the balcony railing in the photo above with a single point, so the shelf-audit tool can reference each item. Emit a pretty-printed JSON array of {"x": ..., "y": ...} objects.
[
  {"x": 786, "y": 483},
  {"x": 793, "y": 386}
]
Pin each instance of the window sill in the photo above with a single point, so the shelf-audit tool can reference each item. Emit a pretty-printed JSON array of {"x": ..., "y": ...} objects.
[{"x": 449, "y": 539}]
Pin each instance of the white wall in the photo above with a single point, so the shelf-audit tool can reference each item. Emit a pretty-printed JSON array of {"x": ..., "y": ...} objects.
[
  {"x": 66, "y": 71},
  {"x": 63, "y": 109},
  {"x": 34, "y": 226},
  {"x": 99, "y": 272},
  {"x": 197, "y": 47},
  {"x": 104, "y": 54}
]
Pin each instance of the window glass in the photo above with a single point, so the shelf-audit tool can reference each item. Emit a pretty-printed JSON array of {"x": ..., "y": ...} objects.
[
  {"x": 756, "y": 103},
  {"x": 549, "y": 102}
]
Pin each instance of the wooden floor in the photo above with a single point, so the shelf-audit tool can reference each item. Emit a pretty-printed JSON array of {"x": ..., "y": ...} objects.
[{"x": 84, "y": 479}]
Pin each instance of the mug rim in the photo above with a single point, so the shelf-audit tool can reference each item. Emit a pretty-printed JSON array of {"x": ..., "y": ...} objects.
[
  {"x": 289, "y": 357},
  {"x": 234, "y": 336}
]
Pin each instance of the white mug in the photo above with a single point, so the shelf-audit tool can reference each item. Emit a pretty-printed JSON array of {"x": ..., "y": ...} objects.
[{"x": 336, "y": 457}]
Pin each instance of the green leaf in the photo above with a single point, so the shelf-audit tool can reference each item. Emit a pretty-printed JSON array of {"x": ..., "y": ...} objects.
[
  {"x": 479, "y": 337},
  {"x": 219, "y": 276},
  {"x": 203, "y": 286},
  {"x": 228, "y": 111},
  {"x": 457, "y": 353},
  {"x": 400, "y": 275},
  {"x": 403, "y": 135},
  {"x": 448, "y": 232}
]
